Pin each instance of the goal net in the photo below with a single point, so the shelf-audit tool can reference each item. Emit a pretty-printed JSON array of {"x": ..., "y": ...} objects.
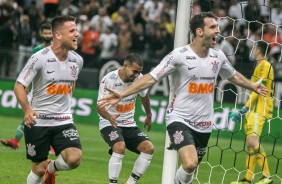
[{"x": 242, "y": 25}]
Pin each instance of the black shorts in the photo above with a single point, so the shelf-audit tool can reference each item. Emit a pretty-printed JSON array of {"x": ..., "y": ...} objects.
[
  {"x": 39, "y": 139},
  {"x": 131, "y": 136},
  {"x": 181, "y": 135}
]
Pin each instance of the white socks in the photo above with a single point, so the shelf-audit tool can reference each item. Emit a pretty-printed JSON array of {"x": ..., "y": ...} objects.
[
  {"x": 60, "y": 165},
  {"x": 34, "y": 179},
  {"x": 140, "y": 166},
  {"x": 114, "y": 167},
  {"x": 183, "y": 177}
]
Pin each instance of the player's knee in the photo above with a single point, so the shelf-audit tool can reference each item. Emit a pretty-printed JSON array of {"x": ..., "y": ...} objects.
[
  {"x": 39, "y": 168},
  {"x": 74, "y": 161},
  {"x": 119, "y": 148},
  {"x": 146, "y": 147},
  {"x": 190, "y": 165},
  {"x": 252, "y": 142}
]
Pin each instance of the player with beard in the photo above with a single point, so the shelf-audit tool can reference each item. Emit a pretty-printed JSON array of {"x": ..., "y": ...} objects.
[
  {"x": 192, "y": 71},
  {"x": 117, "y": 125}
]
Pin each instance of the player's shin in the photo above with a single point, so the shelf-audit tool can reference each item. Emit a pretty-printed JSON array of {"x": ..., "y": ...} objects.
[
  {"x": 140, "y": 166},
  {"x": 182, "y": 177},
  {"x": 34, "y": 179},
  {"x": 115, "y": 165}
]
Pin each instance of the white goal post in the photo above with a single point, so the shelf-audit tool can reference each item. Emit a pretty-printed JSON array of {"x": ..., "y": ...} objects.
[{"x": 180, "y": 39}]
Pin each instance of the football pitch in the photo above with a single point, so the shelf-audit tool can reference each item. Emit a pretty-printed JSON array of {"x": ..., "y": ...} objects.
[{"x": 14, "y": 167}]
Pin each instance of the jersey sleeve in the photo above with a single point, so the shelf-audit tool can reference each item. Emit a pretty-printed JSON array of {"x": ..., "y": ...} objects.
[
  {"x": 168, "y": 64},
  {"x": 226, "y": 71},
  {"x": 30, "y": 70}
]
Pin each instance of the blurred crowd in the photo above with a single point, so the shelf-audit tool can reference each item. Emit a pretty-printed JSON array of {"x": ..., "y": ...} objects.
[{"x": 113, "y": 28}]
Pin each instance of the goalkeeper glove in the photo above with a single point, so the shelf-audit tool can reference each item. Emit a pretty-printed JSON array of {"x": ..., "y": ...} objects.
[{"x": 236, "y": 116}]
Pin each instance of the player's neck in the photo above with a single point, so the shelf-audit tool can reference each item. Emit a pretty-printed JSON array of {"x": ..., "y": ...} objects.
[
  {"x": 259, "y": 58},
  {"x": 121, "y": 75},
  {"x": 201, "y": 51},
  {"x": 60, "y": 52}
]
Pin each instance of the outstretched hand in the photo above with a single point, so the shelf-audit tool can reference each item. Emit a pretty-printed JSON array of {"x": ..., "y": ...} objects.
[
  {"x": 109, "y": 100},
  {"x": 259, "y": 88}
]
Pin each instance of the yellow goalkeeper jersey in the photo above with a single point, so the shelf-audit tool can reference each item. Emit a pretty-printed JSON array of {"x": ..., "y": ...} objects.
[{"x": 256, "y": 103}]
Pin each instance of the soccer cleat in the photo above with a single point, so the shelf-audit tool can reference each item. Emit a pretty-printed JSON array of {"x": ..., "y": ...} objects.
[
  {"x": 13, "y": 143},
  {"x": 265, "y": 180},
  {"x": 49, "y": 178},
  {"x": 242, "y": 181}
]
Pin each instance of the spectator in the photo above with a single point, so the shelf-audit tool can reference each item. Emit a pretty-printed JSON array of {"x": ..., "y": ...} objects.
[
  {"x": 33, "y": 12},
  {"x": 89, "y": 46},
  {"x": 158, "y": 45},
  {"x": 124, "y": 39},
  {"x": 25, "y": 36},
  {"x": 108, "y": 44},
  {"x": 272, "y": 36},
  {"x": 252, "y": 13},
  {"x": 154, "y": 10},
  {"x": 7, "y": 45},
  {"x": 50, "y": 8},
  {"x": 69, "y": 9},
  {"x": 139, "y": 40},
  {"x": 102, "y": 20}
]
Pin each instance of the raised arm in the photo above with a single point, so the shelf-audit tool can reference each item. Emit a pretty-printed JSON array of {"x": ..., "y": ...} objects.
[
  {"x": 240, "y": 80},
  {"x": 142, "y": 83}
]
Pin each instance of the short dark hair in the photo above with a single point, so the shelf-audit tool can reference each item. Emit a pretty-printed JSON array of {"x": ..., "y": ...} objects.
[
  {"x": 197, "y": 21},
  {"x": 134, "y": 58},
  {"x": 263, "y": 47},
  {"x": 60, "y": 20},
  {"x": 44, "y": 26}
]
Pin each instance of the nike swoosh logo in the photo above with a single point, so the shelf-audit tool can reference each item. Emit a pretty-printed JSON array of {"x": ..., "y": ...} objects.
[
  {"x": 73, "y": 139},
  {"x": 190, "y": 68},
  {"x": 50, "y": 72}
]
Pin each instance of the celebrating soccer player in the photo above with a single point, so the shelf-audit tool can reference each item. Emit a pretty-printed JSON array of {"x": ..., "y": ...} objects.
[
  {"x": 117, "y": 125},
  {"x": 48, "y": 118},
  {"x": 192, "y": 71}
]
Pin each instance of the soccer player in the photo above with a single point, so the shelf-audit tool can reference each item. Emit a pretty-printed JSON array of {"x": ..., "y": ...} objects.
[
  {"x": 46, "y": 35},
  {"x": 117, "y": 125},
  {"x": 192, "y": 71},
  {"x": 256, "y": 111},
  {"x": 48, "y": 118}
]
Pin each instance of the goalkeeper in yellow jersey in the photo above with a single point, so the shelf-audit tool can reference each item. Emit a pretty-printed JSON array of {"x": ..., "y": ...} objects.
[{"x": 255, "y": 113}]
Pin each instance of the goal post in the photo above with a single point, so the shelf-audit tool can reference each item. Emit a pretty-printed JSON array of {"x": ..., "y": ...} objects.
[{"x": 180, "y": 39}]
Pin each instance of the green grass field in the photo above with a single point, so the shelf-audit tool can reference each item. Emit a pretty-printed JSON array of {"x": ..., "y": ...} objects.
[{"x": 217, "y": 164}]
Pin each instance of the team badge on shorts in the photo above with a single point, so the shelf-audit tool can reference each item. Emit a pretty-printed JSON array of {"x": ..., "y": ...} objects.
[
  {"x": 30, "y": 149},
  {"x": 178, "y": 137},
  {"x": 113, "y": 135}
]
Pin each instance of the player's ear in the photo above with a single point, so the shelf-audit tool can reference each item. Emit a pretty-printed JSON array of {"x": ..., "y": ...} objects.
[
  {"x": 199, "y": 31},
  {"x": 58, "y": 35}
]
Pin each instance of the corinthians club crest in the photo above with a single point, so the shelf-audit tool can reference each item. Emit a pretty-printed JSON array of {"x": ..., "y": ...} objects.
[
  {"x": 74, "y": 70},
  {"x": 215, "y": 66}
]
